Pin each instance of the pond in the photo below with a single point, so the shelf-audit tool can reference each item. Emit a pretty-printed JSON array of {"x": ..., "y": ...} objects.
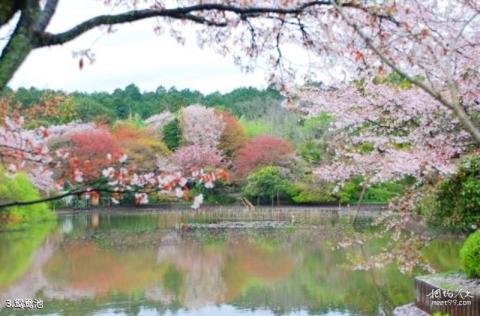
[{"x": 180, "y": 263}]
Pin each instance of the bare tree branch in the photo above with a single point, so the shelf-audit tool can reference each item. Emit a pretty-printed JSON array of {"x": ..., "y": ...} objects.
[
  {"x": 46, "y": 15},
  {"x": 38, "y": 201},
  {"x": 80, "y": 191},
  {"x": 30, "y": 32},
  {"x": 182, "y": 13}
]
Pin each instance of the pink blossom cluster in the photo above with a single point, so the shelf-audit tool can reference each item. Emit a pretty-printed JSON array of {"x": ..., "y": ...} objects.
[
  {"x": 158, "y": 121},
  {"x": 202, "y": 128},
  {"x": 192, "y": 157},
  {"x": 201, "y": 125},
  {"x": 437, "y": 42},
  {"x": 22, "y": 149},
  {"x": 407, "y": 133},
  {"x": 58, "y": 134},
  {"x": 28, "y": 150},
  {"x": 122, "y": 179}
]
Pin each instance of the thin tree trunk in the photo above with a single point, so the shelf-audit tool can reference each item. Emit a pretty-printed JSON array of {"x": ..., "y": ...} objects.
[{"x": 357, "y": 209}]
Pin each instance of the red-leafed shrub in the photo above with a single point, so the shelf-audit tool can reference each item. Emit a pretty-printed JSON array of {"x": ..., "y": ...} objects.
[
  {"x": 261, "y": 151},
  {"x": 93, "y": 151}
]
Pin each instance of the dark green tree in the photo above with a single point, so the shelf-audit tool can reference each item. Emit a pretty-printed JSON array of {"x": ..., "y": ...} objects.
[{"x": 172, "y": 134}]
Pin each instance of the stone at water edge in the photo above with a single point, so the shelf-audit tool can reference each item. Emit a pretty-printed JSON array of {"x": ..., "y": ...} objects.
[
  {"x": 409, "y": 310},
  {"x": 442, "y": 292}
]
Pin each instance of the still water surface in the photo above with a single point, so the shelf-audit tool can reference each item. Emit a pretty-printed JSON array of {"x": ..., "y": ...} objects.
[{"x": 176, "y": 264}]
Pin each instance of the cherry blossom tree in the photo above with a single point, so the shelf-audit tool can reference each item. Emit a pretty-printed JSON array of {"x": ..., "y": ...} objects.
[
  {"x": 158, "y": 121},
  {"x": 385, "y": 131},
  {"x": 26, "y": 150},
  {"x": 23, "y": 149},
  {"x": 434, "y": 45},
  {"x": 194, "y": 157},
  {"x": 201, "y": 126},
  {"x": 58, "y": 135},
  {"x": 216, "y": 21}
]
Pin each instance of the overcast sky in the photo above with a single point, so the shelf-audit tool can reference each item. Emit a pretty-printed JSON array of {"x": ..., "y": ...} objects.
[{"x": 133, "y": 54}]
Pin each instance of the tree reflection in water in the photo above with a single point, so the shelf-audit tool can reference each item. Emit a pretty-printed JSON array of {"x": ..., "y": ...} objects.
[{"x": 131, "y": 263}]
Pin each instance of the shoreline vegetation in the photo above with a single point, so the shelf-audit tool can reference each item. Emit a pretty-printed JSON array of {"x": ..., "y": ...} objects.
[
  {"x": 184, "y": 207},
  {"x": 257, "y": 152}
]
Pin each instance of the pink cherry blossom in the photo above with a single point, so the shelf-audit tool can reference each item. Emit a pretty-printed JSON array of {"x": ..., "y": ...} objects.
[
  {"x": 194, "y": 157},
  {"x": 407, "y": 132},
  {"x": 158, "y": 121},
  {"x": 201, "y": 126}
]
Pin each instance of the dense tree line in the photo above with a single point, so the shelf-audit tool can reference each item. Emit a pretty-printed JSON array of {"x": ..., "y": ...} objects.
[{"x": 120, "y": 104}]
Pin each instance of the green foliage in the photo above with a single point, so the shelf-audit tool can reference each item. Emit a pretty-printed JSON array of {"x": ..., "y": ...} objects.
[
  {"x": 458, "y": 197},
  {"x": 215, "y": 198},
  {"x": 218, "y": 195},
  {"x": 394, "y": 78},
  {"x": 366, "y": 148},
  {"x": 265, "y": 184},
  {"x": 173, "y": 280},
  {"x": 310, "y": 193},
  {"x": 136, "y": 120},
  {"x": 17, "y": 249},
  {"x": 317, "y": 123},
  {"x": 311, "y": 151},
  {"x": 88, "y": 110},
  {"x": 426, "y": 205},
  {"x": 383, "y": 192},
  {"x": 162, "y": 198},
  {"x": 26, "y": 97},
  {"x": 376, "y": 193},
  {"x": 250, "y": 103},
  {"x": 125, "y": 103},
  {"x": 172, "y": 134},
  {"x": 19, "y": 188},
  {"x": 285, "y": 124},
  {"x": 256, "y": 127},
  {"x": 350, "y": 191},
  {"x": 470, "y": 255},
  {"x": 312, "y": 143}
]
